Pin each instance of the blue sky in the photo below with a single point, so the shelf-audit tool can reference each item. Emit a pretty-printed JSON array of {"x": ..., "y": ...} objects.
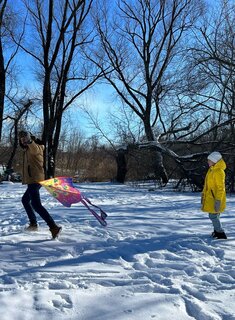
[{"x": 98, "y": 99}]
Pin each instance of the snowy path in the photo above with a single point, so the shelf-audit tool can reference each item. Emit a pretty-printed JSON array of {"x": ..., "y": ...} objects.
[{"x": 155, "y": 259}]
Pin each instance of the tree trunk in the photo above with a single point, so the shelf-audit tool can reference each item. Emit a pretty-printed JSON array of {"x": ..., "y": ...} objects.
[
  {"x": 50, "y": 165},
  {"x": 159, "y": 167},
  {"x": 231, "y": 178},
  {"x": 159, "y": 170},
  {"x": 2, "y": 87},
  {"x": 121, "y": 166},
  {"x": 14, "y": 147}
]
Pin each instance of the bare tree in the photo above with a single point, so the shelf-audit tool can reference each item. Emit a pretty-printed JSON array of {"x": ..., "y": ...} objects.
[
  {"x": 119, "y": 131},
  {"x": 217, "y": 46},
  {"x": 59, "y": 30},
  {"x": 214, "y": 62},
  {"x": 139, "y": 52},
  {"x": 8, "y": 51},
  {"x": 2, "y": 66},
  {"x": 20, "y": 110}
]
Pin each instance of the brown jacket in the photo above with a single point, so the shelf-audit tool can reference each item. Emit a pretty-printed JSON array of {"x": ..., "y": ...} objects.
[{"x": 33, "y": 170}]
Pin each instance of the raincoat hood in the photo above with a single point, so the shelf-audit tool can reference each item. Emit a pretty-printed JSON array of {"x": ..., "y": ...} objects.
[{"x": 219, "y": 165}]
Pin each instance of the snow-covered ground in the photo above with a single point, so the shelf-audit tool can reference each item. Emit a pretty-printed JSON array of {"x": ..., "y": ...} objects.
[{"x": 154, "y": 260}]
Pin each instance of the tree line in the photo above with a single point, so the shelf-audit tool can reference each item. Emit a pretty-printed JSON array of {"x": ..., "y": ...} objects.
[{"x": 170, "y": 64}]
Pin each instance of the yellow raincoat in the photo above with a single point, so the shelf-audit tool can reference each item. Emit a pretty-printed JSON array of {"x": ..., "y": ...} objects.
[{"x": 214, "y": 188}]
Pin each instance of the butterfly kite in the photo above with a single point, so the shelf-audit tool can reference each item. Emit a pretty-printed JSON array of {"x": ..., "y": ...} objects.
[{"x": 63, "y": 190}]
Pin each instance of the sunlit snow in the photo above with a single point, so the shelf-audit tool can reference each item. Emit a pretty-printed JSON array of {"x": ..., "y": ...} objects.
[{"x": 154, "y": 261}]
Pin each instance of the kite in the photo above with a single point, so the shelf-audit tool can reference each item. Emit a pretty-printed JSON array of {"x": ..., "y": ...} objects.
[{"x": 63, "y": 190}]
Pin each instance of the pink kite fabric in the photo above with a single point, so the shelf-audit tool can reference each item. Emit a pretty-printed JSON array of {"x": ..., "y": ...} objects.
[{"x": 63, "y": 190}]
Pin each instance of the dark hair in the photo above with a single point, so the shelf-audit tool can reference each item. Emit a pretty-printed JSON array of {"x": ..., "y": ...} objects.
[{"x": 23, "y": 134}]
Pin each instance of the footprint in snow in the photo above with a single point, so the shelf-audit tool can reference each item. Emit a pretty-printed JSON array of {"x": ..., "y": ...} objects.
[{"x": 63, "y": 302}]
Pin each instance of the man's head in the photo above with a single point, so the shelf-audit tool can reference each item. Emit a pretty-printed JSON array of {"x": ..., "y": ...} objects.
[{"x": 25, "y": 137}]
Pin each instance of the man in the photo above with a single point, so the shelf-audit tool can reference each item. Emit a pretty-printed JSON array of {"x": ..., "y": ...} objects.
[{"x": 33, "y": 172}]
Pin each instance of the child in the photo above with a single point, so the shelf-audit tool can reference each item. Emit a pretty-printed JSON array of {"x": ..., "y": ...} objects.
[{"x": 214, "y": 194}]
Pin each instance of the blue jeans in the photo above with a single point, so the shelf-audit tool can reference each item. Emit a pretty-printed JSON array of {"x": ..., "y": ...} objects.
[
  {"x": 215, "y": 219},
  {"x": 32, "y": 202}
]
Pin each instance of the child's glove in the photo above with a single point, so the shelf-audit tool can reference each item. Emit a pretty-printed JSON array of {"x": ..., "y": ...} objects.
[{"x": 217, "y": 205}]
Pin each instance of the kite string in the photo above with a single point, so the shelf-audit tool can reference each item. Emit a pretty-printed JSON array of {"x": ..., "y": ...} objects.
[{"x": 103, "y": 213}]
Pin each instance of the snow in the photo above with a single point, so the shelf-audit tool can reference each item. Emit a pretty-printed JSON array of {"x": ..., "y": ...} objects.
[{"x": 154, "y": 260}]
